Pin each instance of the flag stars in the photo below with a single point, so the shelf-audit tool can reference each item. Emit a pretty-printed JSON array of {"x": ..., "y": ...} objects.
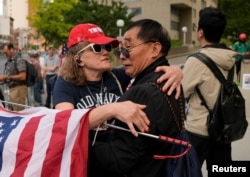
[
  {"x": 1, "y": 139},
  {"x": 1, "y": 130},
  {"x": 13, "y": 123},
  {"x": 1, "y": 124}
]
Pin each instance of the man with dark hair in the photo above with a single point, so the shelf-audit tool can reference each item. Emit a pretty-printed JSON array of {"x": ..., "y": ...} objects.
[
  {"x": 212, "y": 23},
  {"x": 144, "y": 46},
  {"x": 15, "y": 76}
]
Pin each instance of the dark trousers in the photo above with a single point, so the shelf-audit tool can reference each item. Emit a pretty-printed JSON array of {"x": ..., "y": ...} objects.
[
  {"x": 238, "y": 67},
  {"x": 210, "y": 150},
  {"x": 38, "y": 90},
  {"x": 1, "y": 96},
  {"x": 50, "y": 82}
]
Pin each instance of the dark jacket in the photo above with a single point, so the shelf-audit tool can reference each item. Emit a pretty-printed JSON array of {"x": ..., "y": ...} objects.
[{"x": 132, "y": 156}]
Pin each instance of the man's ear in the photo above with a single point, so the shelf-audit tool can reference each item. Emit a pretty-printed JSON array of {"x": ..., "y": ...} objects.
[
  {"x": 156, "y": 49},
  {"x": 200, "y": 33}
]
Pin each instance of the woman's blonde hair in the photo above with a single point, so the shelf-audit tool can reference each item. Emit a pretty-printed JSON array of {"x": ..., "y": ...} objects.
[{"x": 71, "y": 71}]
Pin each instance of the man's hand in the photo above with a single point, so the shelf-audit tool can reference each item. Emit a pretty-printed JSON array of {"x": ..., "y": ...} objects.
[
  {"x": 126, "y": 111},
  {"x": 3, "y": 78}
]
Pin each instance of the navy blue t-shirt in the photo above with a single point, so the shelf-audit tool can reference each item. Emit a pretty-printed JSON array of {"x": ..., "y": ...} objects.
[{"x": 81, "y": 98}]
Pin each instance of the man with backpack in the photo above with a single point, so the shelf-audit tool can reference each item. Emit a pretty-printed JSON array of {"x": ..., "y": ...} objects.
[
  {"x": 15, "y": 76},
  {"x": 211, "y": 25}
]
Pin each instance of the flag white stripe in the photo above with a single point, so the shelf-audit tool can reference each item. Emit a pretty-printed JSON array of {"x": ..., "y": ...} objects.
[
  {"x": 72, "y": 130},
  {"x": 42, "y": 139}
]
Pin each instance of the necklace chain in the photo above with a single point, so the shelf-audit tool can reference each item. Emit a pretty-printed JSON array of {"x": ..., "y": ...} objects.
[{"x": 97, "y": 103}]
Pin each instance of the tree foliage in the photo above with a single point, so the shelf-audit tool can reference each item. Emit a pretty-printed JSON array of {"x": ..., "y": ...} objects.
[
  {"x": 237, "y": 12},
  {"x": 54, "y": 20}
]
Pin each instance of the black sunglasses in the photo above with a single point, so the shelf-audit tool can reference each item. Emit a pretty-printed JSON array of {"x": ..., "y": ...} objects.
[
  {"x": 97, "y": 48},
  {"x": 125, "y": 51}
]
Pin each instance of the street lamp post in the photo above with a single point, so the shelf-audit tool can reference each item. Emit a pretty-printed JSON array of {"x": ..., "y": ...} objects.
[
  {"x": 120, "y": 24},
  {"x": 184, "y": 30}
]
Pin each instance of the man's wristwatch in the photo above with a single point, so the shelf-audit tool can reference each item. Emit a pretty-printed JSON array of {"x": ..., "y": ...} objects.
[{"x": 8, "y": 78}]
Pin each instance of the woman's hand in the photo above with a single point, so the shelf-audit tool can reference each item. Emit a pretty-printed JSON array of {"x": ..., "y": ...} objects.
[
  {"x": 133, "y": 114},
  {"x": 126, "y": 111},
  {"x": 172, "y": 75}
]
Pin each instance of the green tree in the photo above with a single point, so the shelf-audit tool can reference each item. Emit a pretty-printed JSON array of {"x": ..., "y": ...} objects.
[
  {"x": 102, "y": 14},
  {"x": 49, "y": 19},
  {"x": 237, "y": 17},
  {"x": 54, "y": 20}
]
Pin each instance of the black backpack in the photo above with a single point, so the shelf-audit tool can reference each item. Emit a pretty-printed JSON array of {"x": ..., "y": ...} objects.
[
  {"x": 31, "y": 73},
  {"x": 227, "y": 121}
]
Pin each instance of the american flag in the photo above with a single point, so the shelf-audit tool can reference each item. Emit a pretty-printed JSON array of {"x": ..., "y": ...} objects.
[
  {"x": 63, "y": 52},
  {"x": 41, "y": 142}
]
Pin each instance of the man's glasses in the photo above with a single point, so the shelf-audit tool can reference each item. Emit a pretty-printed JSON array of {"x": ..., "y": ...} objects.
[
  {"x": 125, "y": 51},
  {"x": 96, "y": 48}
]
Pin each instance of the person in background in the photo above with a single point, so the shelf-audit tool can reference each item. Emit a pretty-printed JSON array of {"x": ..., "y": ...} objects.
[
  {"x": 50, "y": 70},
  {"x": 211, "y": 25},
  {"x": 2, "y": 97},
  {"x": 42, "y": 56},
  {"x": 86, "y": 79},
  {"x": 15, "y": 77},
  {"x": 144, "y": 47},
  {"x": 37, "y": 88},
  {"x": 242, "y": 48}
]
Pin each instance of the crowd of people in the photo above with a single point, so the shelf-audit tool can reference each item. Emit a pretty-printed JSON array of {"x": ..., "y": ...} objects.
[{"x": 132, "y": 96}]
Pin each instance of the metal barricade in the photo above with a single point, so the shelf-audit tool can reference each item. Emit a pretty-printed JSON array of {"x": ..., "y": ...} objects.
[{"x": 6, "y": 101}]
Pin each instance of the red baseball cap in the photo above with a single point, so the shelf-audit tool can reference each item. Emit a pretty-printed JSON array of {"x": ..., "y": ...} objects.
[{"x": 90, "y": 33}]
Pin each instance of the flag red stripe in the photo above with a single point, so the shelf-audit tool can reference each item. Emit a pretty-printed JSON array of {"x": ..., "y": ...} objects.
[
  {"x": 25, "y": 146},
  {"x": 80, "y": 150},
  {"x": 52, "y": 161}
]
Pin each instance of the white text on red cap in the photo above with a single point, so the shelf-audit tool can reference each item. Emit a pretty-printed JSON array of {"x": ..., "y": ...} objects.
[{"x": 95, "y": 30}]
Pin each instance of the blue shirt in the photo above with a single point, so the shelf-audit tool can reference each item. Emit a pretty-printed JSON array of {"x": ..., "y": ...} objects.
[{"x": 80, "y": 96}]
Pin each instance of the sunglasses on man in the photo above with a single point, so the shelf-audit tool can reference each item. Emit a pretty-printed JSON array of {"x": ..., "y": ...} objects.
[
  {"x": 97, "y": 48},
  {"x": 125, "y": 51}
]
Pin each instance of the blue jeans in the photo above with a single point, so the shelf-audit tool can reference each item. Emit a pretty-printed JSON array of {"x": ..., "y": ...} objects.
[
  {"x": 50, "y": 82},
  {"x": 38, "y": 90}
]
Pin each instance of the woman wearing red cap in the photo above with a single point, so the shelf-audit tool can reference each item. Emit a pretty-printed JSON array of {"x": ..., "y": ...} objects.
[{"x": 86, "y": 79}]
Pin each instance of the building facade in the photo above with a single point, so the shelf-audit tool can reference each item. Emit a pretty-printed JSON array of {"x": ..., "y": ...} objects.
[
  {"x": 179, "y": 17},
  {"x": 14, "y": 25}
]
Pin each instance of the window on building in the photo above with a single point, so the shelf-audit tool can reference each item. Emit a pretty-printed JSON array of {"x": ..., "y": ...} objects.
[
  {"x": 195, "y": 27},
  {"x": 194, "y": 12},
  {"x": 203, "y": 4},
  {"x": 175, "y": 11},
  {"x": 135, "y": 11},
  {"x": 175, "y": 25}
]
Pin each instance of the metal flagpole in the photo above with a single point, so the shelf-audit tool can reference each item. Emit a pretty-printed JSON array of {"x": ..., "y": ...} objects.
[
  {"x": 183, "y": 143},
  {"x": 160, "y": 137}
]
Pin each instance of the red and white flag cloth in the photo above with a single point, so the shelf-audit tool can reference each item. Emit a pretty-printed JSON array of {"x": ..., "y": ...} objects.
[{"x": 41, "y": 142}]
